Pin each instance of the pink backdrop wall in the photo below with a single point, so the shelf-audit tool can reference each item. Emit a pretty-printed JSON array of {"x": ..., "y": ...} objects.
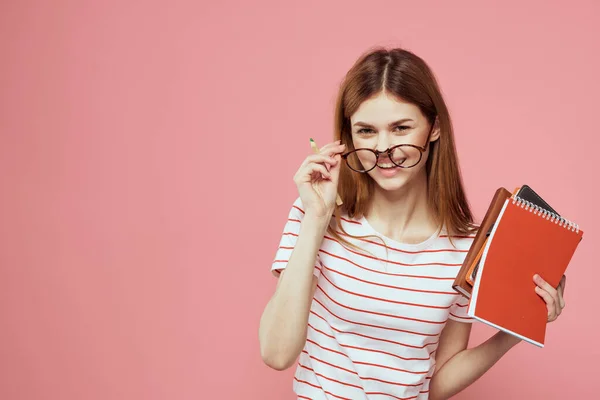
[{"x": 146, "y": 158}]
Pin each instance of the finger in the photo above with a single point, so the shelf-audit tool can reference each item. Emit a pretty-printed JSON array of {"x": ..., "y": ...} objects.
[
  {"x": 561, "y": 292},
  {"x": 335, "y": 170},
  {"x": 563, "y": 283},
  {"x": 319, "y": 158},
  {"x": 561, "y": 302},
  {"x": 552, "y": 291},
  {"x": 550, "y": 303},
  {"x": 308, "y": 172},
  {"x": 333, "y": 148},
  {"x": 305, "y": 174},
  {"x": 330, "y": 145},
  {"x": 544, "y": 285}
]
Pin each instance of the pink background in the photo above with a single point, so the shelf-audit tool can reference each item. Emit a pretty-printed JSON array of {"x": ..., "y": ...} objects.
[{"x": 146, "y": 158}]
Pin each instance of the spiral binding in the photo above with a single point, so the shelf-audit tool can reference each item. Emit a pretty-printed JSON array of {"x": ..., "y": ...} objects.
[{"x": 552, "y": 217}]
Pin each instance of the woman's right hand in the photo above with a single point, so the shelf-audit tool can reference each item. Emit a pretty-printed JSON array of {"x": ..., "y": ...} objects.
[{"x": 317, "y": 179}]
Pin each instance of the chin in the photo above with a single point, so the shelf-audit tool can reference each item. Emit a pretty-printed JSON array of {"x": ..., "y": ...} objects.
[
  {"x": 392, "y": 184},
  {"x": 401, "y": 180}
]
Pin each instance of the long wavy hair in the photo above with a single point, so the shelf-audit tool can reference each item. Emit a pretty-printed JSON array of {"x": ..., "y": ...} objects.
[{"x": 403, "y": 74}]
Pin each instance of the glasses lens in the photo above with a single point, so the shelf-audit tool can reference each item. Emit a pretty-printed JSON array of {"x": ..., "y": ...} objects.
[
  {"x": 361, "y": 160},
  {"x": 406, "y": 156}
]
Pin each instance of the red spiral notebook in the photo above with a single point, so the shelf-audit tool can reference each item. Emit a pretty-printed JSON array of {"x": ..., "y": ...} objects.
[{"x": 526, "y": 239}]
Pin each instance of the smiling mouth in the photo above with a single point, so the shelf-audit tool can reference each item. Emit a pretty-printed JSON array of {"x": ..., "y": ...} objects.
[{"x": 388, "y": 165}]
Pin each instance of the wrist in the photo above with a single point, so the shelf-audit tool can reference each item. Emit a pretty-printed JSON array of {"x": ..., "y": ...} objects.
[
  {"x": 506, "y": 340},
  {"x": 318, "y": 219},
  {"x": 315, "y": 224}
]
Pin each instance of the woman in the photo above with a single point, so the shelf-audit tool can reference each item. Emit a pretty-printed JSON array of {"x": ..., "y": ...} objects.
[{"x": 364, "y": 295}]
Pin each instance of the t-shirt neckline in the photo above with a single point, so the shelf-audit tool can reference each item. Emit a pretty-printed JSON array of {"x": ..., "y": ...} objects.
[{"x": 401, "y": 245}]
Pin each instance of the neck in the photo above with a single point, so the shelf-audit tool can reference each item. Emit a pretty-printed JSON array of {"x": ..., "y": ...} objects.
[{"x": 403, "y": 215}]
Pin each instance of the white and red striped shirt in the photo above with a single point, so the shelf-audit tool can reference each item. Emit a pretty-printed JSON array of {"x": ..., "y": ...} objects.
[{"x": 375, "y": 320}]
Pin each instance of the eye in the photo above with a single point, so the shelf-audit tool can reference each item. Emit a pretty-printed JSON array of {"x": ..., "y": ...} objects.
[
  {"x": 401, "y": 128},
  {"x": 364, "y": 131}
]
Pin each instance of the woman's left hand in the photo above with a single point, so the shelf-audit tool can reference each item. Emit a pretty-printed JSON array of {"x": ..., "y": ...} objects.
[{"x": 554, "y": 299}]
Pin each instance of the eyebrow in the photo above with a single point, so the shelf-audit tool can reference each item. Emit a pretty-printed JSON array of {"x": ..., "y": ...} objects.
[{"x": 360, "y": 123}]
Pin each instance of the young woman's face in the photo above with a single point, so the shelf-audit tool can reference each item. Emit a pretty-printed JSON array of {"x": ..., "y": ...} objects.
[{"x": 384, "y": 121}]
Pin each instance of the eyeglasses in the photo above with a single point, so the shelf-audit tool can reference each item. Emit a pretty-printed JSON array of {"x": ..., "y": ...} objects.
[{"x": 403, "y": 156}]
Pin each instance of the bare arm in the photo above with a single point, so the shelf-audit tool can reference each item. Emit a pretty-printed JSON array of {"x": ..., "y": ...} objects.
[
  {"x": 283, "y": 325},
  {"x": 458, "y": 367}
]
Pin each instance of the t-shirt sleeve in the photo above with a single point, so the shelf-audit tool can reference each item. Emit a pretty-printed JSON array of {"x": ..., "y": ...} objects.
[
  {"x": 289, "y": 239},
  {"x": 458, "y": 310}
]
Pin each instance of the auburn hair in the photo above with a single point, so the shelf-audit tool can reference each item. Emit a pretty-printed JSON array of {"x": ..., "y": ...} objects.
[{"x": 401, "y": 73}]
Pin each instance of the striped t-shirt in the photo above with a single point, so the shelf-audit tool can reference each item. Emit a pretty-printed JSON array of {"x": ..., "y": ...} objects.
[{"x": 375, "y": 319}]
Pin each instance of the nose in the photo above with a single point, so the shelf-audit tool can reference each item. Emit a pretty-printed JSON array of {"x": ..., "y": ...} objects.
[{"x": 383, "y": 144}]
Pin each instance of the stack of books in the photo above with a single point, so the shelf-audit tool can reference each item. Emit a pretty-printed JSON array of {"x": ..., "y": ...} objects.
[{"x": 520, "y": 236}]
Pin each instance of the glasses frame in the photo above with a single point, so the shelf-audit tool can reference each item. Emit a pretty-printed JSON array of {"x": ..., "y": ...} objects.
[{"x": 389, "y": 151}]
